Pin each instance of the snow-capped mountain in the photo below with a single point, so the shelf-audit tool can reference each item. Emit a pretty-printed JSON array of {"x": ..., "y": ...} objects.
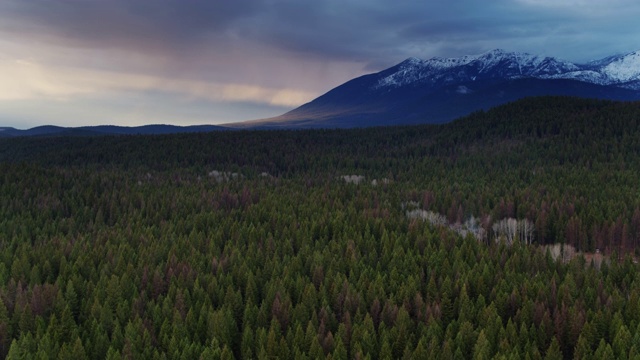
[
  {"x": 623, "y": 71},
  {"x": 441, "y": 89}
]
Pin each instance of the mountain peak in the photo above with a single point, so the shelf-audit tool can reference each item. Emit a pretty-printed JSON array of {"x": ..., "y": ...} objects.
[
  {"x": 496, "y": 52},
  {"x": 411, "y": 61}
]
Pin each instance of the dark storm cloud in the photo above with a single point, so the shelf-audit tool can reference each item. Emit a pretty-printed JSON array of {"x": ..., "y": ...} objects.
[
  {"x": 372, "y": 31},
  {"x": 126, "y": 24},
  {"x": 384, "y": 31}
]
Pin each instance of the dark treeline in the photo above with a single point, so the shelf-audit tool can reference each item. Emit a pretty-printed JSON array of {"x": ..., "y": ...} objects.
[{"x": 249, "y": 244}]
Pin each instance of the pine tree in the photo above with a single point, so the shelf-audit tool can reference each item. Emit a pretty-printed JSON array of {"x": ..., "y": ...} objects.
[
  {"x": 226, "y": 353},
  {"x": 386, "y": 351},
  {"x": 5, "y": 330},
  {"x": 77, "y": 350},
  {"x": 553, "y": 352},
  {"x": 315, "y": 351},
  {"x": 15, "y": 352},
  {"x": 421, "y": 352},
  {"x": 604, "y": 351},
  {"x": 247, "y": 346},
  {"x": 482, "y": 348},
  {"x": 583, "y": 349},
  {"x": 622, "y": 342}
]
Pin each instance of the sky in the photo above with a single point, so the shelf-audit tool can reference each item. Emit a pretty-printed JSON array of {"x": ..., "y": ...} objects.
[{"x": 190, "y": 62}]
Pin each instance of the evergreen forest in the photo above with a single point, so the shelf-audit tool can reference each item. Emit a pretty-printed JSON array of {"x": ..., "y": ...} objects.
[{"x": 512, "y": 233}]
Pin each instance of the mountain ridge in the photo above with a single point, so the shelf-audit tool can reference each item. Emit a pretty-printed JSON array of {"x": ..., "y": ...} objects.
[
  {"x": 618, "y": 70},
  {"x": 438, "y": 90},
  {"x": 106, "y": 130}
]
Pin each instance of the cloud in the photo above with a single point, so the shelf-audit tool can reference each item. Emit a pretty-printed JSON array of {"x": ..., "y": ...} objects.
[
  {"x": 24, "y": 80},
  {"x": 372, "y": 31},
  {"x": 138, "y": 24}
]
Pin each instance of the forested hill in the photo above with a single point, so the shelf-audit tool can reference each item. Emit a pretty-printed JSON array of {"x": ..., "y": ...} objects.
[{"x": 373, "y": 243}]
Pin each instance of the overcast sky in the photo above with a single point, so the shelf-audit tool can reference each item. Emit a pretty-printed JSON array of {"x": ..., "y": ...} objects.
[{"x": 135, "y": 62}]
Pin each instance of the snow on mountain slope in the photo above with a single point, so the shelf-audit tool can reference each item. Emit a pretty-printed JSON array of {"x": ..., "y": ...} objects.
[{"x": 623, "y": 71}]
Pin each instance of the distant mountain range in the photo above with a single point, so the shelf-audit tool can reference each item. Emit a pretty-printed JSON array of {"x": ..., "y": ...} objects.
[
  {"x": 106, "y": 130},
  {"x": 442, "y": 89},
  {"x": 417, "y": 91}
]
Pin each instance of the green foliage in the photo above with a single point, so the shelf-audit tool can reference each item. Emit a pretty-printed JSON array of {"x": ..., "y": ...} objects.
[{"x": 127, "y": 247}]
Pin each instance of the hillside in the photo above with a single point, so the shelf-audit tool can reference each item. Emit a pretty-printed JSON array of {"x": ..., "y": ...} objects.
[{"x": 382, "y": 242}]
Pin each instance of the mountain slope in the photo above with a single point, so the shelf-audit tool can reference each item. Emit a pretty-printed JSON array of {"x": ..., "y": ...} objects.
[{"x": 439, "y": 89}]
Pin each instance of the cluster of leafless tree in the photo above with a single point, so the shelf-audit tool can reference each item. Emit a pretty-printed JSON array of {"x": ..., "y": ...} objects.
[
  {"x": 511, "y": 229},
  {"x": 508, "y": 229}
]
